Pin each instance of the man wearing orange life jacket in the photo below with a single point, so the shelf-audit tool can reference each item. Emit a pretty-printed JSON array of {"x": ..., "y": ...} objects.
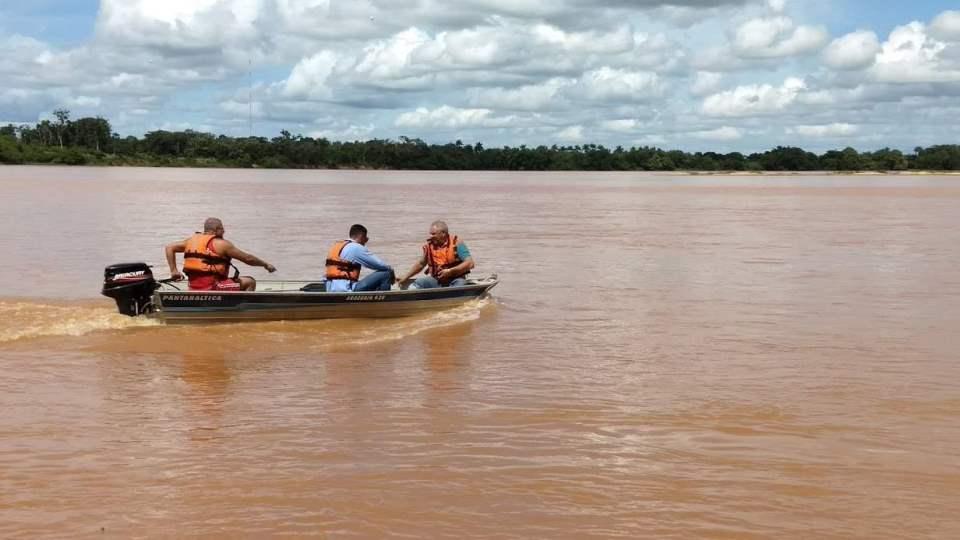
[
  {"x": 345, "y": 259},
  {"x": 446, "y": 259},
  {"x": 206, "y": 260}
]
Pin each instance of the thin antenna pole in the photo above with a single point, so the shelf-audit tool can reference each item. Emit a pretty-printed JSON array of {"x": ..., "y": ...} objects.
[{"x": 250, "y": 93}]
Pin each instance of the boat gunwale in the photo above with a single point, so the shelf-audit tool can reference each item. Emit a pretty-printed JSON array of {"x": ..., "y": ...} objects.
[{"x": 482, "y": 284}]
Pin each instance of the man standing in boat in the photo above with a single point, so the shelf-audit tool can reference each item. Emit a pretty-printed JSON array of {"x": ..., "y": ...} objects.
[
  {"x": 206, "y": 260},
  {"x": 447, "y": 259},
  {"x": 347, "y": 257}
]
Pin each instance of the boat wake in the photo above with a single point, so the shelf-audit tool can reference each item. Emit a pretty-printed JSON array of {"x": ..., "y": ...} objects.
[
  {"x": 334, "y": 334},
  {"x": 22, "y": 321},
  {"x": 402, "y": 328},
  {"x": 25, "y": 320}
]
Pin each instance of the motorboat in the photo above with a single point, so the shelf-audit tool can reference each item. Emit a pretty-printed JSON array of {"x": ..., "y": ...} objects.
[{"x": 137, "y": 293}]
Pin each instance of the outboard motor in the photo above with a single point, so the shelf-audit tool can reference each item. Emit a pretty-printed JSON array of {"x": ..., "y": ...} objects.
[{"x": 131, "y": 285}]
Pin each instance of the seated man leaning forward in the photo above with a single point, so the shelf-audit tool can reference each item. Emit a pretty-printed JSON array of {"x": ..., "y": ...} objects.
[
  {"x": 206, "y": 260},
  {"x": 347, "y": 257},
  {"x": 447, "y": 259}
]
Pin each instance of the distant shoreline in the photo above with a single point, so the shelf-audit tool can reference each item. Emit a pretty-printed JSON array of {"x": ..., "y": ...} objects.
[
  {"x": 91, "y": 141},
  {"x": 730, "y": 173},
  {"x": 817, "y": 173}
]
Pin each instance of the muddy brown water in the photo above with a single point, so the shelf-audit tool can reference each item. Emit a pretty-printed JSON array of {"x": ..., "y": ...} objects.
[{"x": 666, "y": 357}]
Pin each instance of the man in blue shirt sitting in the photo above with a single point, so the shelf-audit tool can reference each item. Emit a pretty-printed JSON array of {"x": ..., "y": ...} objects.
[{"x": 347, "y": 257}]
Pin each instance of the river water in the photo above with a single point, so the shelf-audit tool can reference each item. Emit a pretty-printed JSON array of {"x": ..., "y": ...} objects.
[{"x": 665, "y": 357}]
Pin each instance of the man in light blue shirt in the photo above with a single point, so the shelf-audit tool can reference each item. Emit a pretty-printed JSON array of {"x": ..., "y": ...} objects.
[{"x": 347, "y": 257}]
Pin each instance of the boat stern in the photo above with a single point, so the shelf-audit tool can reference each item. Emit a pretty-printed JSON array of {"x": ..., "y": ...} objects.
[{"x": 131, "y": 285}]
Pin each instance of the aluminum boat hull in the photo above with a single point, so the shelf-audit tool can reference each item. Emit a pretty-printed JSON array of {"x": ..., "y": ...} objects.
[{"x": 285, "y": 300}]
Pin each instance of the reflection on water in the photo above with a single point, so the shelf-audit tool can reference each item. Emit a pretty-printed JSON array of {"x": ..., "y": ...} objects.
[
  {"x": 447, "y": 357},
  {"x": 664, "y": 358},
  {"x": 207, "y": 379}
]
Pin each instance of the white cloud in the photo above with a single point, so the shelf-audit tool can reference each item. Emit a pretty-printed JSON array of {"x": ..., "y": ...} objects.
[
  {"x": 855, "y": 50},
  {"x": 650, "y": 140},
  {"x": 837, "y": 129},
  {"x": 651, "y": 52},
  {"x": 705, "y": 82},
  {"x": 571, "y": 134},
  {"x": 609, "y": 84},
  {"x": 179, "y": 27},
  {"x": 409, "y": 54},
  {"x": 347, "y": 133},
  {"x": 319, "y": 20},
  {"x": 308, "y": 80},
  {"x": 621, "y": 125},
  {"x": 533, "y": 97},
  {"x": 725, "y": 133},
  {"x": 776, "y": 37},
  {"x": 446, "y": 116},
  {"x": 84, "y": 101},
  {"x": 684, "y": 16},
  {"x": 506, "y": 71},
  {"x": 777, "y": 6},
  {"x": 502, "y": 51},
  {"x": 594, "y": 42},
  {"x": 911, "y": 56},
  {"x": 243, "y": 109},
  {"x": 18, "y": 96},
  {"x": 946, "y": 26},
  {"x": 719, "y": 58},
  {"x": 754, "y": 99},
  {"x": 128, "y": 82}
]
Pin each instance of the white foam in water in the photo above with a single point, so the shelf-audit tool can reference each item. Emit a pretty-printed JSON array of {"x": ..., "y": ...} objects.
[
  {"x": 24, "y": 320},
  {"x": 409, "y": 327},
  {"x": 327, "y": 335}
]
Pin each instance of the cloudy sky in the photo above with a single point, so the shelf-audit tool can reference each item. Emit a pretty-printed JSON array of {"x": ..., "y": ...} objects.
[{"x": 691, "y": 74}]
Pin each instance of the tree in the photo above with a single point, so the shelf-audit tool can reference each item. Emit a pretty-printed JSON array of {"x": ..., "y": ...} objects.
[
  {"x": 93, "y": 133},
  {"x": 788, "y": 158},
  {"x": 889, "y": 160},
  {"x": 850, "y": 160},
  {"x": 63, "y": 119},
  {"x": 944, "y": 157}
]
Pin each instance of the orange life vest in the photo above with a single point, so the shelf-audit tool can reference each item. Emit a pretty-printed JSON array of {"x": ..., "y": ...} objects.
[
  {"x": 441, "y": 258},
  {"x": 200, "y": 259},
  {"x": 338, "y": 268}
]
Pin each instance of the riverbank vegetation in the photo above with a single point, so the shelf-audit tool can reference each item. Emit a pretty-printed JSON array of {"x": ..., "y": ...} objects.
[{"x": 91, "y": 141}]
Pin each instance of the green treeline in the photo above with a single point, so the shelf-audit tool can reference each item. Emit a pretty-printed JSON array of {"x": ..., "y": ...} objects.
[{"x": 91, "y": 141}]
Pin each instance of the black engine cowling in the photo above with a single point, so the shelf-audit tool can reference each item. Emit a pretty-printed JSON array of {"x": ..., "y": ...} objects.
[{"x": 131, "y": 285}]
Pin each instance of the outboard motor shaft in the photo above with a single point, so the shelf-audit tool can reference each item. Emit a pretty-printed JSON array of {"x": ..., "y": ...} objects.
[{"x": 131, "y": 285}]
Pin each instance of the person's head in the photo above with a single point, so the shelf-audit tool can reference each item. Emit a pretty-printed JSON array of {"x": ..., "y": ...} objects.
[
  {"x": 439, "y": 233},
  {"x": 213, "y": 226},
  {"x": 358, "y": 233}
]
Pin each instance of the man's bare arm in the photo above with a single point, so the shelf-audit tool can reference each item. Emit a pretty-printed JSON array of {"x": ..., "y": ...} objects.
[
  {"x": 417, "y": 267},
  {"x": 232, "y": 251},
  {"x": 171, "y": 251}
]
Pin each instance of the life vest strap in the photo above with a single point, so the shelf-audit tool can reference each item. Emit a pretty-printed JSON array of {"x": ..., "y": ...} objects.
[
  {"x": 206, "y": 258},
  {"x": 343, "y": 264}
]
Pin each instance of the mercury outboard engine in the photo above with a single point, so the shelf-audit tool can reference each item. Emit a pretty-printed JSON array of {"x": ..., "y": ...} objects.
[{"x": 131, "y": 285}]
